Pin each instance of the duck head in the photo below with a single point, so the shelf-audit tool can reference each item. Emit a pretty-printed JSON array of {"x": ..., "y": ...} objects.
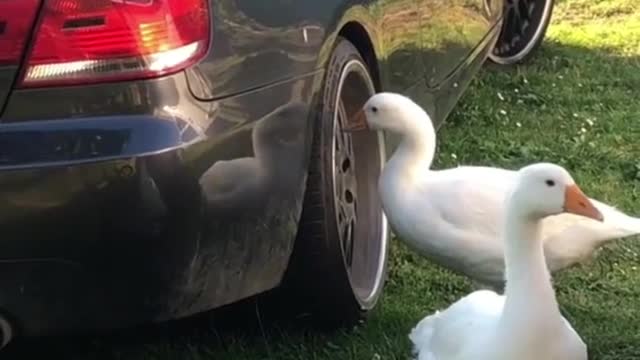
[
  {"x": 546, "y": 189},
  {"x": 390, "y": 112}
]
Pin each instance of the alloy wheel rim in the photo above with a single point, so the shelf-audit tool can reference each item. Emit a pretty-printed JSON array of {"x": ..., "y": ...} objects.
[
  {"x": 523, "y": 25},
  {"x": 363, "y": 233},
  {"x": 345, "y": 186}
]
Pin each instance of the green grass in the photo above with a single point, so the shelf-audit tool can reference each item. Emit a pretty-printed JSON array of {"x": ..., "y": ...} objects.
[{"x": 577, "y": 105}]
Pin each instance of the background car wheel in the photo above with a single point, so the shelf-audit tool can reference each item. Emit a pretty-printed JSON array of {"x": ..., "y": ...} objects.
[
  {"x": 524, "y": 26},
  {"x": 339, "y": 260}
]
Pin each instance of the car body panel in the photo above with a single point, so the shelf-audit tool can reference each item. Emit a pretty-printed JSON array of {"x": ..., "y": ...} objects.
[
  {"x": 162, "y": 216},
  {"x": 453, "y": 87},
  {"x": 258, "y": 43},
  {"x": 7, "y": 76},
  {"x": 148, "y": 200},
  {"x": 398, "y": 32},
  {"x": 450, "y": 30}
]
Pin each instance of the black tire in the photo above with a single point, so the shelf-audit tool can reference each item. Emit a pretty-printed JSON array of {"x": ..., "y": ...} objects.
[
  {"x": 338, "y": 270},
  {"x": 524, "y": 27}
]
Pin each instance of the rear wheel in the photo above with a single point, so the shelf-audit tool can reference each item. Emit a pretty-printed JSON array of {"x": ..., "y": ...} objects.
[
  {"x": 339, "y": 261},
  {"x": 524, "y": 26}
]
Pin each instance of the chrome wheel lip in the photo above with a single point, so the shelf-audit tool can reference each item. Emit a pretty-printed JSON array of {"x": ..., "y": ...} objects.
[
  {"x": 546, "y": 13},
  {"x": 378, "y": 281}
]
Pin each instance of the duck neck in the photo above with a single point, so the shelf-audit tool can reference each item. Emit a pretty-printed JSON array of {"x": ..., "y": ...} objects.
[
  {"x": 528, "y": 291},
  {"x": 416, "y": 150}
]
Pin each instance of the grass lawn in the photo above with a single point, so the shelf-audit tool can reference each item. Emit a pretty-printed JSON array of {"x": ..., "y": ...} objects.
[{"x": 577, "y": 105}]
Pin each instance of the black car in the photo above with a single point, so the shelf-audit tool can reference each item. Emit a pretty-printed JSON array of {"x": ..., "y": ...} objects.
[{"x": 160, "y": 158}]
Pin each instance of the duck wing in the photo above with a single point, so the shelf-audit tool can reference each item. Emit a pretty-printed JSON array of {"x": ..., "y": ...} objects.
[
  {"x": 570, "y": 239},
  {"x": 462, "y": 209},
  {"x": 456, "y": 220},
  {"x": 460, "y": 329}
]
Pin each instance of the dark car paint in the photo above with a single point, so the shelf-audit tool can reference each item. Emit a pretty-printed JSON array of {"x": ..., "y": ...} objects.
[
  {"x": 186, "y": 227},
  {"x": 123, "y": 203},
  {"x": 258, "y": 43},
  {"x": 7, "y": 76}
]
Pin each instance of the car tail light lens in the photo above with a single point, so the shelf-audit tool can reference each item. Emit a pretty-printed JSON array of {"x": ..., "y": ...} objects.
[
  {"x": 88, "y": 41},
  {"x": 16, "y": 23}
]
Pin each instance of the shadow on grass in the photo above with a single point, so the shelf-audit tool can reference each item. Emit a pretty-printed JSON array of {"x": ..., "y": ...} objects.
[
  {"x": 563, "y": 86},
  {"x": 554, "y": 57},
  {"x": 254, "y": 322}
]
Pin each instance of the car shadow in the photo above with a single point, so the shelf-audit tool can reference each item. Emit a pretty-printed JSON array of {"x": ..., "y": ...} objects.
[{"x": 254, "y": 320}]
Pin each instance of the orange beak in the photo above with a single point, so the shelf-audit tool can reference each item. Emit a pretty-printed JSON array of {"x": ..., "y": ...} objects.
[
  {"x": 576, "y": 202},
  {"x": 357, "y": 123}
]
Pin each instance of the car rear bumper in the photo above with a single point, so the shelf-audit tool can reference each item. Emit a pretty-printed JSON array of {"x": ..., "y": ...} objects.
[
  {"x": 90, "y": 211},
  {"x": 69, "y": 142},
  {"x": 109, "y": 221}
]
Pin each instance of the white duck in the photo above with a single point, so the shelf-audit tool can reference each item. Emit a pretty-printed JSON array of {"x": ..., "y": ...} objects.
[
  {"x": 452, "y": 216},
  {"x": 525, "y": 323}
]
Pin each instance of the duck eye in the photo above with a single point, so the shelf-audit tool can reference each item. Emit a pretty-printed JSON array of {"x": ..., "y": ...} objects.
[
  {"x": 374, "y": 109},
  {"x": 550, "y": 183}
]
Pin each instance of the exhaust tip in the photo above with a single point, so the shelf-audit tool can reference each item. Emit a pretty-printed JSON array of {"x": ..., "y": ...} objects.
[{"x": 6, "y": 332}]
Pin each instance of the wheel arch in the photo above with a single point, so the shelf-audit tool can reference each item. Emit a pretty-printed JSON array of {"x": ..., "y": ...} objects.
[{"x": 357, "y": 34}]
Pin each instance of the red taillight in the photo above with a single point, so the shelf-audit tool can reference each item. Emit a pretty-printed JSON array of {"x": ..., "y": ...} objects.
[
  {"x": 16, "y": 22},
  {"x": 88, "y": 41}
]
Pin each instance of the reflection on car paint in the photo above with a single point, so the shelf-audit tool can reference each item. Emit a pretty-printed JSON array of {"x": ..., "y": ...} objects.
[{"x": 138, "y": 211}]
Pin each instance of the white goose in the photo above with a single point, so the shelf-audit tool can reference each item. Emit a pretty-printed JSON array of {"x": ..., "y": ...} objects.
[
  {"x": 452, "y": 216},
  {"x": 525, "y": 323}
]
